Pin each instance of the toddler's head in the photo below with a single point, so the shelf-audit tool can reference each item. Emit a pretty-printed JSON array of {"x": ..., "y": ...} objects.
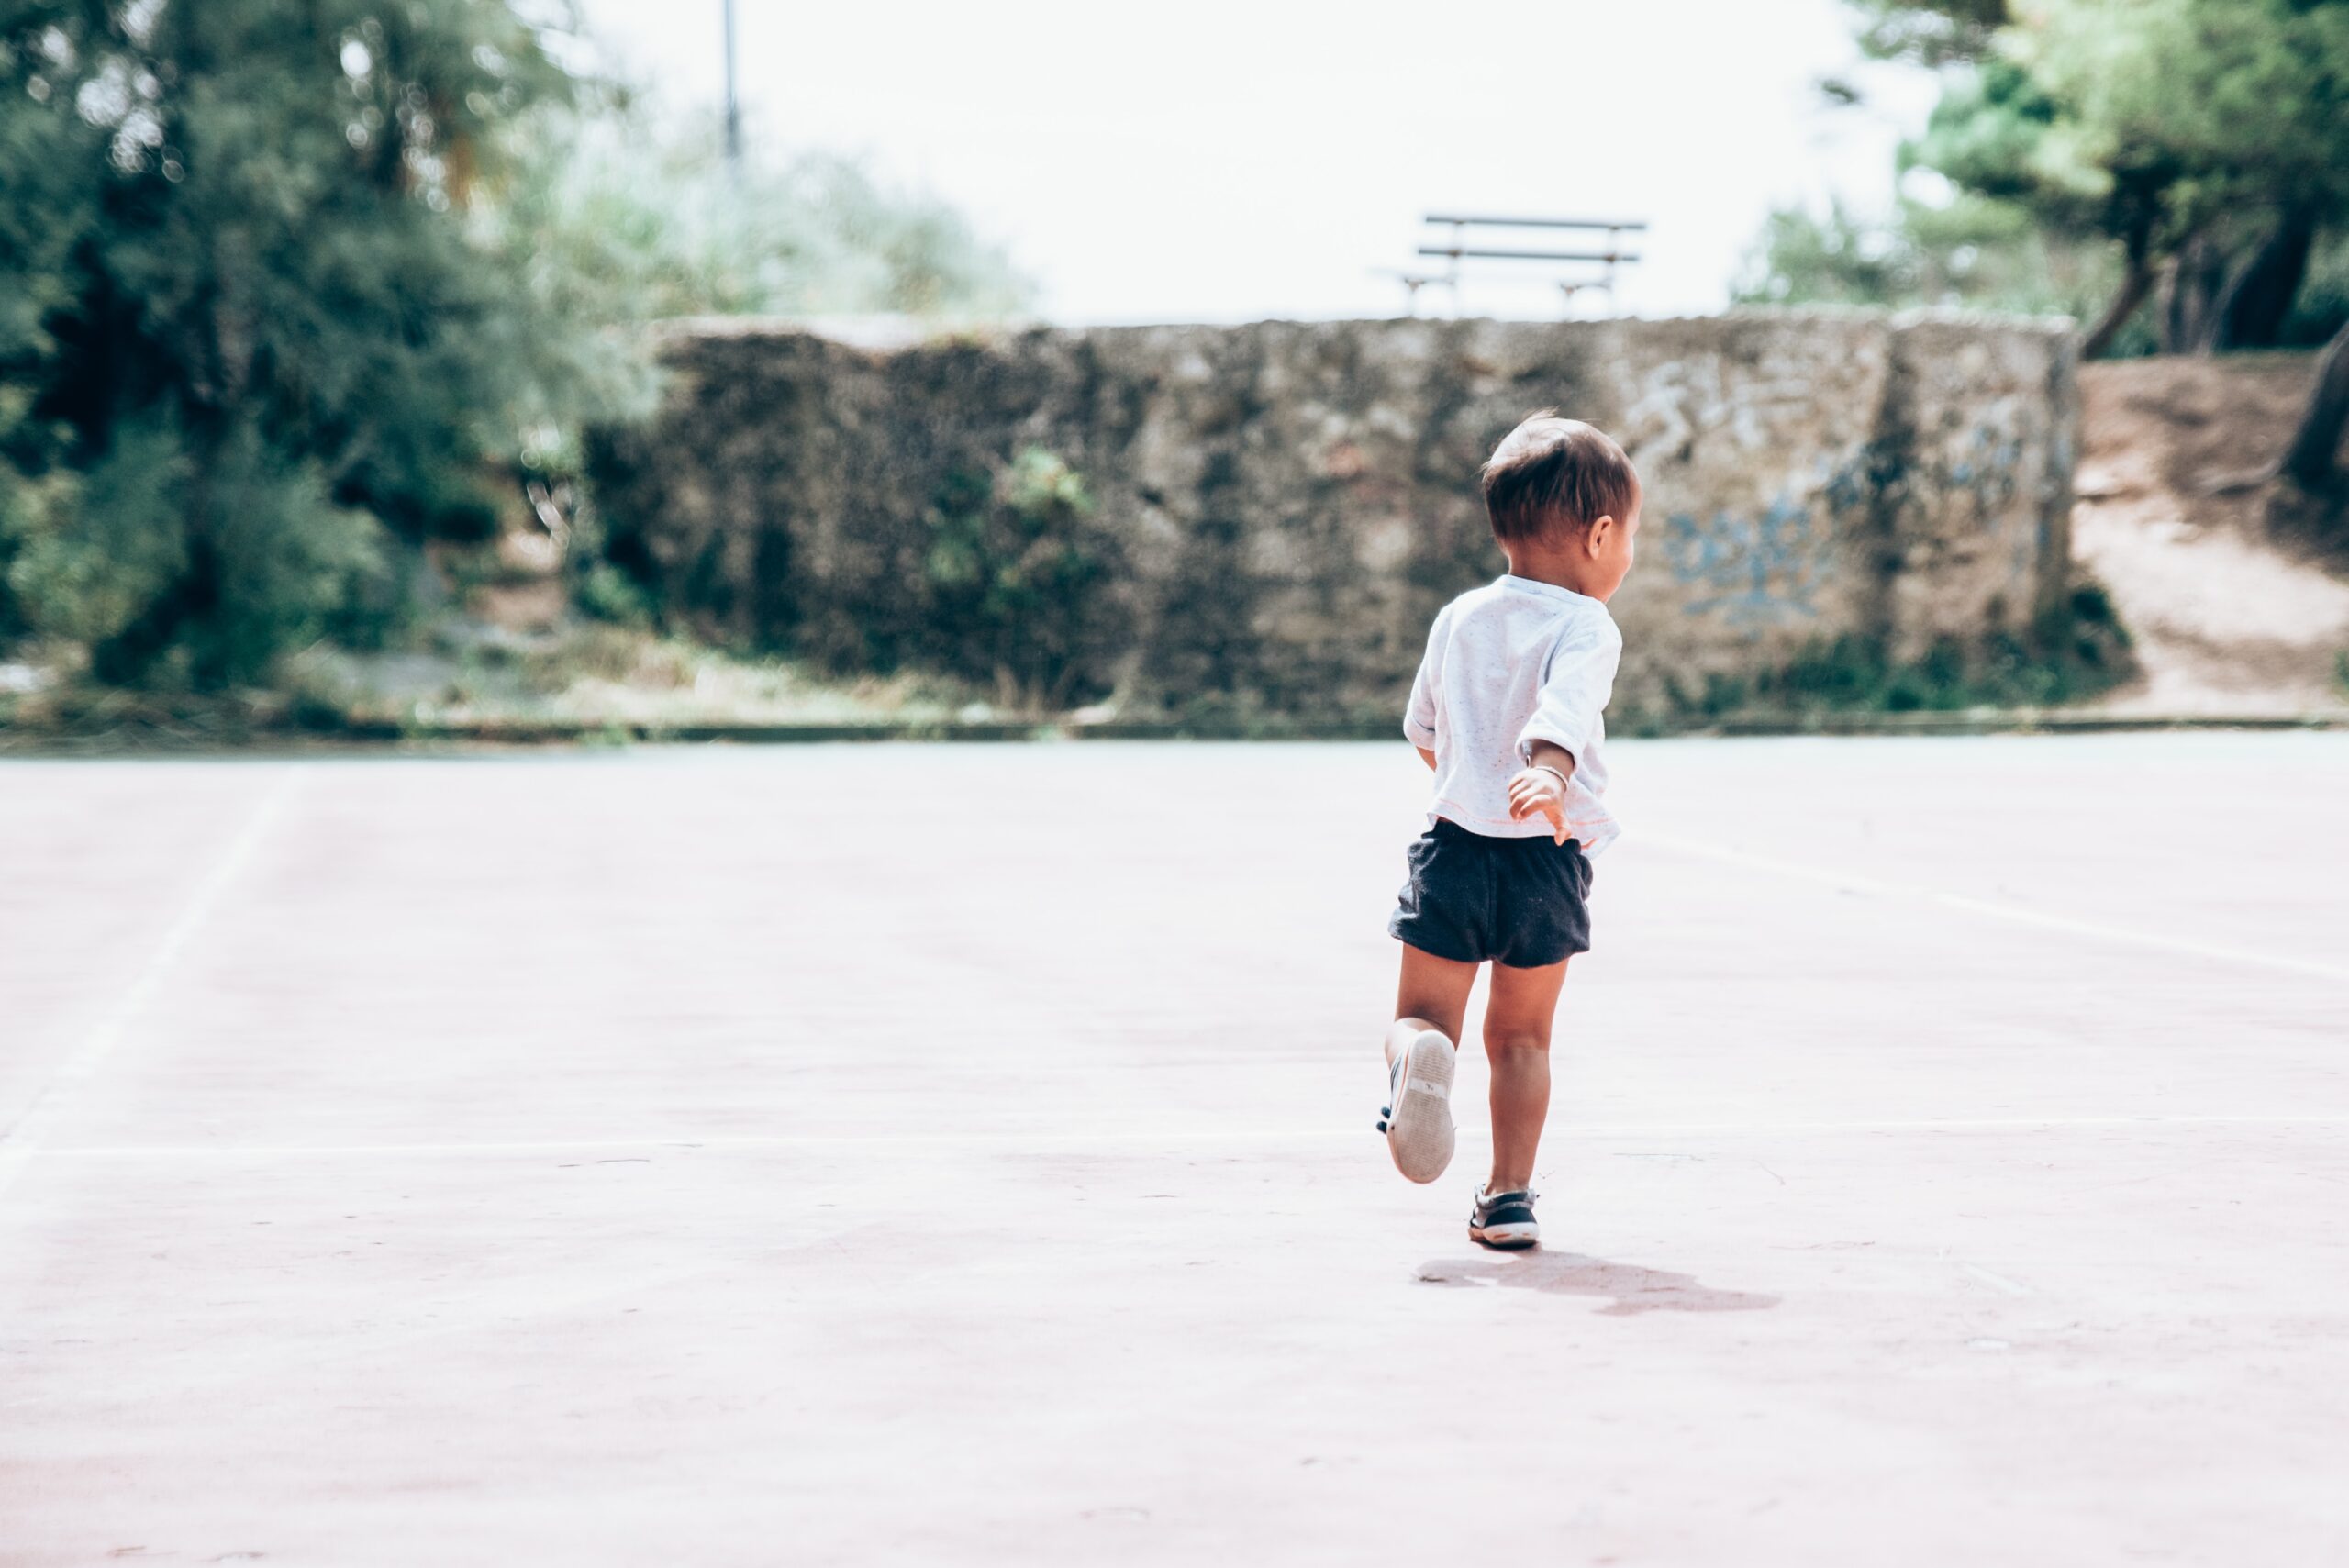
[{"x": 1564, "y": 503}]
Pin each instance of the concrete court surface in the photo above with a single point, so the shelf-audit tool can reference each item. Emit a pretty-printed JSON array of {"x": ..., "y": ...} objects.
[{"x": 963, "y": 1155}]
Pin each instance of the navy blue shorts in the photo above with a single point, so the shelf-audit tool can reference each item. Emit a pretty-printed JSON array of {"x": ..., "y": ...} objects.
[{"x": 1522, "y": 902}]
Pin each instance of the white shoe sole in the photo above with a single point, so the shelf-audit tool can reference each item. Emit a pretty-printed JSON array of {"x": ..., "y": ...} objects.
[
  {"x": 1418, "y": 1121},
  {"x": 1507, "y": 1237}
]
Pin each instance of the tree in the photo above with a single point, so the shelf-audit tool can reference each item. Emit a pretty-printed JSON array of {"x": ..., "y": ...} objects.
[
  {"x": 2209, "y": 138},
  {"x": 634, "y": 217},
  {"x": 2195, "y": 153},
  {"x": 247, "y": 337},
  {"x": 2311, "y": 460},
  {"x": 1969, "y": 251},
  {"x": 2193, "y": 150},
  {"x": 287, "y": 289},
  {"x": 1930, "y": 32}
]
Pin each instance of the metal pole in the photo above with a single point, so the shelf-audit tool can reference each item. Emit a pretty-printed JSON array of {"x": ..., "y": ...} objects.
[{"x": 733, "y": 105}]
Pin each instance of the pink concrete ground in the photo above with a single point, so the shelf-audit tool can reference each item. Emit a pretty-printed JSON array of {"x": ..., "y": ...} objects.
[{"x": 963, "y": 1155}]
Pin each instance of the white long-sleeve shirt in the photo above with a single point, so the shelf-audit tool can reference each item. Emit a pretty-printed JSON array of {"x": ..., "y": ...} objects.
[{"x": 1507, "y": 664}]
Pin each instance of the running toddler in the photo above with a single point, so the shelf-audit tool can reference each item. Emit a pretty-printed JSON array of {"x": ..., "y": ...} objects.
[{"x": 1507, "y": 711}]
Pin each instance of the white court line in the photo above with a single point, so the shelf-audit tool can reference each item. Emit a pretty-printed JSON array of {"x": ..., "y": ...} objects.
[
  {"x": 23, "y": 1141},
  {"x": 1851, "y": 882},
  {"x": 1173, "y": 1138}
]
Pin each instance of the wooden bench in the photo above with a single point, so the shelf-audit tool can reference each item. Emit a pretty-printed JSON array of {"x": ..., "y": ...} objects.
[{"x": 1466, "y": 247}]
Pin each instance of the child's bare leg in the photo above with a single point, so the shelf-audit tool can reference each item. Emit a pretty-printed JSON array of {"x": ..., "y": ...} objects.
[
  {"x": 1422, "y": 1048},
  {"x": 1517, "y": 1043},
  {"x": 1432, "y": 995}
]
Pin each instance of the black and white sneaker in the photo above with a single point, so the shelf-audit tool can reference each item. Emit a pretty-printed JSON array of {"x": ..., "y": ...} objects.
[
  {"x": 1504, "y": 1220},
  {"x": 1417, "y": 1117}
]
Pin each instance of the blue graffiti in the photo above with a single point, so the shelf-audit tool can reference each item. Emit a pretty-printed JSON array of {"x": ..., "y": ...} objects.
[
  {"x": 1987, "y": 466},
  {"x": 1763, "y": 569}
]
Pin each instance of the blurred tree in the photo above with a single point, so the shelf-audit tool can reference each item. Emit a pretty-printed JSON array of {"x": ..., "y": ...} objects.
[
  {"x": 282, "y": 286},
  {"x": 2209, "y": 138},
  {"x": 2313, "y": 459},
  {"x": 2202, "y": 145},
  {"x": 1929, "y": 32},
  {"x": 1969, "y": 250},
  {"x": 244, "y": 329},
  {"x": 634, "y": 218}
]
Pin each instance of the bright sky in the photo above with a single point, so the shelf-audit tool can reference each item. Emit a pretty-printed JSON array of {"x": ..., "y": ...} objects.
[{"x": 1219, "y": 161}]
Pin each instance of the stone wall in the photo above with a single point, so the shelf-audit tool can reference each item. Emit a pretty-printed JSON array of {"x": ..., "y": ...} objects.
[{"x": 1283, "y": 506}]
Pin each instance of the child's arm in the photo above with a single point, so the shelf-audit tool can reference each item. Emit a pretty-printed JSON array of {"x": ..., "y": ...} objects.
[
  {"x": 1574, "y": 689},
  {"x": 1540, "y": 787},
  {"x": 1418, "y": 715}
]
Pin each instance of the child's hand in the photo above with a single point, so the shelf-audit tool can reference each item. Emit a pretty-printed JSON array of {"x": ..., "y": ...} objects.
[{"x": 1539, "y": 792}]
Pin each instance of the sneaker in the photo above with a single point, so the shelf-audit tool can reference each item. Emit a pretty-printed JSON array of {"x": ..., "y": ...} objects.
[
  {"x": 1504, "y": 1220},
  {"x": 1417, "y": 1117}
]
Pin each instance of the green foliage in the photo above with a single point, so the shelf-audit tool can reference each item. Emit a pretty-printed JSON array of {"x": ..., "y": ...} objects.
[
  {"x": 285, "y": 291},
  {"x": 2091, "y": 144},
  {"x": 1801, "y": 258},
  {"x": 2203, "y": 105},
  {"x": 283, "y": 559},
  {"x": 274, "y": 281},
  {"x": 1999, "y": 133},
  {"x": 1935, "y": 32},
  {"x": 245, "y": 323},
  {"x": 2323, "y": 302},
  {"x": 1014, "y": 580},
  {"x": 89, "y": 551},
  {"x": 1973, "y": 252},
  {"x": 135, "y": 559},
  {"x": 2084, "y": 652},
  {"x": 623, "y": 218},
  {"x": 605, "y": 592}
]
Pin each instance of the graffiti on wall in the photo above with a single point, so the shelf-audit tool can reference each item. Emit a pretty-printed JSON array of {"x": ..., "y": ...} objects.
[{"x": 1762, "y": 569}]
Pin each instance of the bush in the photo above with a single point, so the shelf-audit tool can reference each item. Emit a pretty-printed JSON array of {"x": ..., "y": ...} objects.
[
  {"x": 131, "y": 559},
  {"x": 2084, "y": 650},
  {"x": 89, "y": 551}
]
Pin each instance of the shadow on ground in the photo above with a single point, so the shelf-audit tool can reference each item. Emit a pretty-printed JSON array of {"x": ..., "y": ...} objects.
[{"x": 1634, "y": 1289}]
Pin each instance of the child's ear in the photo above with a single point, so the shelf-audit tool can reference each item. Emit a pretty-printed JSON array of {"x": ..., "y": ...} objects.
[{"x": 1594, "y": 538}]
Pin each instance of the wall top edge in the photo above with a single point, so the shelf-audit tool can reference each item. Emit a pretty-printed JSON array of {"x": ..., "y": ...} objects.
[{"x": 890, "y": 334}]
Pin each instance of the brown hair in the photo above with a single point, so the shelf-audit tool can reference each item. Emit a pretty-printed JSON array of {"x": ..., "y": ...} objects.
[{"x": 1550, "y": 472}]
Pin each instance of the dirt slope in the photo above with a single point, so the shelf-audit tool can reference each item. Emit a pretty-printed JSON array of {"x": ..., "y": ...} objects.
[{"x": 2226, "y": 619}]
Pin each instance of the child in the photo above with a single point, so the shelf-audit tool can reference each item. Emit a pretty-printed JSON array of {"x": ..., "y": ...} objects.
[{"x": 1506, "y": 709}]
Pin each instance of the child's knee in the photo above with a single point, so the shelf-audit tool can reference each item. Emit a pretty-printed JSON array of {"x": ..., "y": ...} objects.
[{"x": 1513, "y": 1040}]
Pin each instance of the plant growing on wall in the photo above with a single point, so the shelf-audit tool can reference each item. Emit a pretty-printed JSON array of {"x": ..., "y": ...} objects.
[{"x": 1015, "y": 579}]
